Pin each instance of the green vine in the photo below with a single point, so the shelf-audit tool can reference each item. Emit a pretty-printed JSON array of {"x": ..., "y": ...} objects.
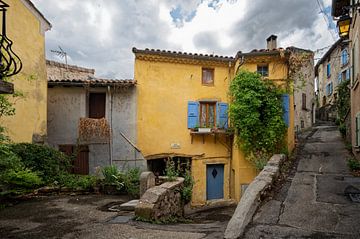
[
  {"x": 256, "y": 114},
  {"x": 343, "y": 102}
]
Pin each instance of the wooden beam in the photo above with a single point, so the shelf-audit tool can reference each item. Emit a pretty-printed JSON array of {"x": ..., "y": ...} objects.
[{"x": 6, "y": 87}]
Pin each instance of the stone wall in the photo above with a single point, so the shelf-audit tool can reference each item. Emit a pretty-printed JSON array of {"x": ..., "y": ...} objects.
[
  {"x": 161, "y": 202},
  {"x": 60, "y": 71},
  {"x": 251, "y": 199}
]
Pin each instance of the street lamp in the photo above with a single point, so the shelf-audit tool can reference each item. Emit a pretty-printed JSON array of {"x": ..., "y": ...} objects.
[
  {"x": 10, "y": 63},
  {"x": 343, "y": 25}
]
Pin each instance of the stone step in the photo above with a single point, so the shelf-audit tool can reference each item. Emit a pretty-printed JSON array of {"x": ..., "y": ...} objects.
[{"x": 129, "y": 206}]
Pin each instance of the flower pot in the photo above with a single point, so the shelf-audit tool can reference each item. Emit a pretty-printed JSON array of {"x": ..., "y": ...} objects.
[{"x": 205, "y": 130}]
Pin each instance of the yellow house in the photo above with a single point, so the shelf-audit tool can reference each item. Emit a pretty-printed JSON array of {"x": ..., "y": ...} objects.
[
  {"x": 182, "y": 102},
  {"x": 26, "y": 27}
]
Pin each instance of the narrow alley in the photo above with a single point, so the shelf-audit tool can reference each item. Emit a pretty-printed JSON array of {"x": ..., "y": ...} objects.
[{"x": 313, "y": 203}]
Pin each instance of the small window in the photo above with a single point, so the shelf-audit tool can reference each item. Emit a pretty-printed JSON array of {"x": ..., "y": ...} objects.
[
  {"x": 329, "y": 89},
  {"x": 303, "y": 101},
  {"x": 207, "y": 76},
  {"x": 328, "y": 70},
  {"x": 207, "y": 115},
  {"x": 263, "y": 70},
  {"x": 97, "y": 105},
  {"x": 344, "y": 57}
]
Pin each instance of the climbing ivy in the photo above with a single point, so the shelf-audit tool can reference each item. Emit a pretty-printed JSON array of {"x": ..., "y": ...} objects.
[
  {"x": 256, "y": 114},
  {"x": 343, "y": 102}
]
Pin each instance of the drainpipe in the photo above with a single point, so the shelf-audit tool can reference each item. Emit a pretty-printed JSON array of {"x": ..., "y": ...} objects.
[
  {"x": 231, "y": 143},
  {"x": 111, "y": 125}
]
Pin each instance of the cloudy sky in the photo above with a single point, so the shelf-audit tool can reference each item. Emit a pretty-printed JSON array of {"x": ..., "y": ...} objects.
[{"x": 99, "y": 34}]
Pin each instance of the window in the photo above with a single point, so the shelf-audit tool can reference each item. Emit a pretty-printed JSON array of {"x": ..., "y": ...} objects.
[
  {"x": 207, "y": 76},
  {"x": 340, "y": 76},
  {"x": 97, "y": 105},
  {"x": 207, "y": 115},
  {"x": 263, "y": 70},
  {"x": 303, "y": 101},
  {"x": 328, "y": 70},
  {"x": 329, "y": 89},
  {"x": 344, "y": 57}
]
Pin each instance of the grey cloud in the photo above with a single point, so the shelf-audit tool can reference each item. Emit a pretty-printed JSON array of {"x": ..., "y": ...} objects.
[
  {"x": 206, "y": 41},
  {"x": 134, "y": 23},
  {"x": 280, "y": 17}
]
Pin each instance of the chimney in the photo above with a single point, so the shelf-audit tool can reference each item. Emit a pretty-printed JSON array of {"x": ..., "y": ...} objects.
[{"x": 271, "y": 42}]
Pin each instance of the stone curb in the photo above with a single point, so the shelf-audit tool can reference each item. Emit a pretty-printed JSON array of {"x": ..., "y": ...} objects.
[{"x": 250, "y": 201}]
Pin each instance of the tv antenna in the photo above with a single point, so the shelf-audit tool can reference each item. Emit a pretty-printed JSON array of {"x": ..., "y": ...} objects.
[{"x": 60, "y": 53}]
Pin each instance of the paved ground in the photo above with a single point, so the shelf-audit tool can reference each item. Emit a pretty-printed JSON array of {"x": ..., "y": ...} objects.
[
  {"x": 313, "y": 204},
  {"x": 88, "y": 217}
]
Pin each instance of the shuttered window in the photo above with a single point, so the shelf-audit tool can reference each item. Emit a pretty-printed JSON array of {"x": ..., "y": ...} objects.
[
  {"x": 303, "y": 101},
  {"x": 286, "y": 108},
  {"x": 328, "y": 70},
  {"x": 97, "y": 105},
  {"x": 207, "y": 115}
]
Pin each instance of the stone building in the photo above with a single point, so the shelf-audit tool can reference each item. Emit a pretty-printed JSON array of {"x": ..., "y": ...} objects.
[
  {"x": 331, "y": 70},
  {"x": 342, "y": 9},
  {"x": 91, "y": 117},
  {"x": 304, "y": 90}
]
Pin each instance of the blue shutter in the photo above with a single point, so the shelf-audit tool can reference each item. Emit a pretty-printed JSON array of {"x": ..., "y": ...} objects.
[
  {"x": 286, "y": 108},
  {"x": 348, "y": 74},
  {"x": 193, "y": 114},
  {"x": 327, "y": 90},
  {"x": 331, "y": 88},
  {"x": 339, "y": 78},
  {"x": 328, "y": 70},
  {"x": 222, "y": 115}
]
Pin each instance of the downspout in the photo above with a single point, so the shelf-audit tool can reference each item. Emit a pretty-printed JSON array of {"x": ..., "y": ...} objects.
[
  {"x": 231, "y": 143},
  {"x": 111, "y": 126}
]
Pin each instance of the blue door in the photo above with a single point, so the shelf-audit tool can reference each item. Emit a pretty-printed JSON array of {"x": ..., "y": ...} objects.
[{"x": 214, "y": 181}]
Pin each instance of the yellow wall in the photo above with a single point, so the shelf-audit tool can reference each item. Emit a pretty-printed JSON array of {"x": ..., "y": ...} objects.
[
  {"x": 163, "y": 91},
  {"x": 24, "y": 29}
]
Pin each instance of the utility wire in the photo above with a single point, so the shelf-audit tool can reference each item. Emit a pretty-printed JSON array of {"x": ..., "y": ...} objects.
[{"x": 321, "y": 6}]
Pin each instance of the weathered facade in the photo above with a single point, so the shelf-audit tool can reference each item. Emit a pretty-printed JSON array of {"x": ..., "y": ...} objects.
[
  {"x": 26, "y": 27},
  {"x": 339, "y": 8},
  {"x": 94, "y": 116},
  {"x": 182, "y": 102},
  {"x": 331, "y": 70},
  {"x": 304, "y": 91}
]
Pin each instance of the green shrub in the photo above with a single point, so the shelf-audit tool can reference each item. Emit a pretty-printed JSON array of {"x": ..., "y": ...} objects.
[
  {"x": 354, "y": 164},
  {"x": 15, "y": 178},
  {"x": 186, "y": 192},
  {"x": 170, "y": 171},
  {"x": 131, "y": 180},
  {"x": 73, "y": 181},
  {"x": 337, "y": 121},
  {"x": 49, "y": 162},
  {"x": 113, "y": 177},
  {"x": 342, "y": 129}
]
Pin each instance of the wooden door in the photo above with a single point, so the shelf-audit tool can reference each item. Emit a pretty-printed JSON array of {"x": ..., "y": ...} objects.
[{"x": 214, "y": 181}]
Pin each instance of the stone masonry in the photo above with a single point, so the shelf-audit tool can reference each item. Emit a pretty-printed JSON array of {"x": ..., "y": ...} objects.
[{"x": 161, "y": 202}]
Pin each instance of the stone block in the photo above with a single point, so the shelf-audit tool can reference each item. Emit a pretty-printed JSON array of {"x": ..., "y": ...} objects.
[
  {"x": 144, "y": 210},
  {"x": 147, "y": 180}
]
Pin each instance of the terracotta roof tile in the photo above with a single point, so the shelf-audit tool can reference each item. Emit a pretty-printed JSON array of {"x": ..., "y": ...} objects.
[
  {"x": 182, "y": 54},
  {"x": 92, "y": 82}
]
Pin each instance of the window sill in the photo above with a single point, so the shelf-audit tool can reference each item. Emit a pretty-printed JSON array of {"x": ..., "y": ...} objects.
[
  {"x": 207, "y": 84},
  {"x": 212, "y": 131}
]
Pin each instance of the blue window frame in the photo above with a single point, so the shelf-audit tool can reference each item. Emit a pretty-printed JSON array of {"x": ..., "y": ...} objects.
[
  {"x": 202, "y": 114},
  {"x": 344, "y": 57},
  {"x": 329, "y": 89},
  {"x": 328, "y": 70},
  {"x": 339, "y": 78}
]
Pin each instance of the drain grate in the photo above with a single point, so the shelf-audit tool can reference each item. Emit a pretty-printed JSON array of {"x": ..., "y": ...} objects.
[{"x": 355, "y": 197}]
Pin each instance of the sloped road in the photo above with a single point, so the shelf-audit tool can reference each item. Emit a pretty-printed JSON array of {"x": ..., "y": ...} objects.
[{"x": 315, "y": 204}]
